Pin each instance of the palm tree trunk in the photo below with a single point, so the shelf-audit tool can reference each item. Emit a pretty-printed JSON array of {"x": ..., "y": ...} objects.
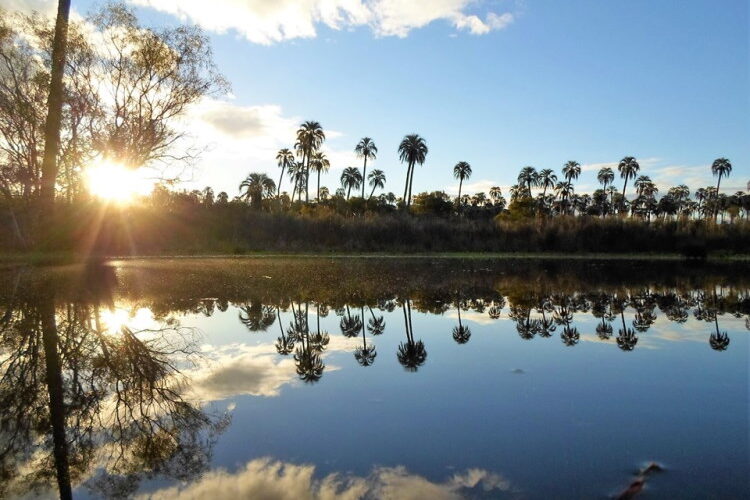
[
  {"x": 307, "y": 180},
  {"x": 278, "y": 191},
  {"x": 364, "y": 176},
  {"x": 54, "y": 110},
  {"x": 372, "y": 192},
  {"x": 411, "y": 328},
  {"x": 460, "y": 185},
  {"x": 624, "y": 186},
  {"x": 318, "y": 185},
  {"x": 406, "y": 185},
  {"x": 348, "y": 191},
  {"x": 716, "y": 202},
  {"x": 411, "y": 183}
]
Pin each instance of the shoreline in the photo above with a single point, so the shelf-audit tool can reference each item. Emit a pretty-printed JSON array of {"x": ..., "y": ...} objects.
[{"x": 45, "y": 259}]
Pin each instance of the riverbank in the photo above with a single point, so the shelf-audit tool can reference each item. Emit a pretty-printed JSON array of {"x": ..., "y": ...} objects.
[{"x": 61, "y": 258}]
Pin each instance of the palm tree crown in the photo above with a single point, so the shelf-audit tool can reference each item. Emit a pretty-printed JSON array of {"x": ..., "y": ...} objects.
[
  {"x": 528, "y": 177},
  {"x": 376, "y": 180},
  {"x": 256, "y": 187},
  {"x": 351, "y": 177},
  {"x": 571, "y": 170}
]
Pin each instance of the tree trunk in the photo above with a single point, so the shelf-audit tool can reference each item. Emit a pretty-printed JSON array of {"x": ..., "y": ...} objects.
[
  {"x": 372, "y": 192},
  {"x": 624, "y": 187},
  {"x": 318, "y": 185},
  {"x": 278, "y": 191},
  {"x": 56, "y": 398},
  {"x": 364, "y": 176},
  {"x": 406, "y": 185},
  {"x": 411, "y": 182},
  {"x": 460, "y": 185},
  {"x": 54, "y": 111},
  {"x": 716, "y": 202}
]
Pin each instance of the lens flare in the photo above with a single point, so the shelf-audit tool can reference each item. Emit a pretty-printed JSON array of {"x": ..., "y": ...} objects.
[{"x": 117, "y": 183}]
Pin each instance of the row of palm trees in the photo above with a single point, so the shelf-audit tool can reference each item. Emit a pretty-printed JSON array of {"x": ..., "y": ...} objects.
[{"x": 557, "y": 195}]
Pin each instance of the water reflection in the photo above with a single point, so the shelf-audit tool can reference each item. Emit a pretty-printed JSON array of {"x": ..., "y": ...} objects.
[
  {"x": 104, "y": 381},
  {"x": 83, "y": 404}
]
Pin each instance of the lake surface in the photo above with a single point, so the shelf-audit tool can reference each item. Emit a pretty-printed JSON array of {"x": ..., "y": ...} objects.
[{"x": 374, "y": 378}]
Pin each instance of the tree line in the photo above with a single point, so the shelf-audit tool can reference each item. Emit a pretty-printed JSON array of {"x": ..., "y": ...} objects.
[{"x": 536, "y": 193}]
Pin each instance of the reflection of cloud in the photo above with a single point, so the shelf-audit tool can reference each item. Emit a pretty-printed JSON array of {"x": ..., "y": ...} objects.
[
  {"x": 472, "y": 316},
  {"x": 266, "y": 478},
  {"x": 241, "y": 369},
  {"x": 266, "y": 22}
]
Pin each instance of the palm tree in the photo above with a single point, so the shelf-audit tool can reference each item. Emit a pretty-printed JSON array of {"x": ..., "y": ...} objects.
[
  {"x": 285, "y": 160},
  {"x": 366, "y": 149},
  {"x": 351, "y": 178},
  {"x": 571, "y": 170},
  {"x": 528, "y": 177},
  {"x": 310, "y": 137},
  {"x": 257, "y": 186},
  {"x": 376, "y": 180},
  {"x": 721, "y": 167},
  {"x": 412, "y": 150},
  {"x": 547, "y": 179},
  {"x": 605, "y": 177},
  {"x": 628, "y": 168},
  {"x": 565, "y": 191},
  {"x": 495, "y": 194},
  {"x": 461, "y": 171},
  {"x": 319, "y": 163}
]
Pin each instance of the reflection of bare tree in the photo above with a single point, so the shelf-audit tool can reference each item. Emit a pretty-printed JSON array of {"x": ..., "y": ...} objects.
[
  {"x": 411, "y": 354},
  {"x": 85, "y": 405}
]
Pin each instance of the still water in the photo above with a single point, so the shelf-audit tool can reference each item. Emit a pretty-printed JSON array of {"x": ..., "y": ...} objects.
[{"x": 374, "y": 378}]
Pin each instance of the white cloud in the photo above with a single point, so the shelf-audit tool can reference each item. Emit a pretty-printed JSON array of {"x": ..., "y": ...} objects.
[
  {"x": 270, "y": 21},
  {"x": 481, "y": 186},
  {"x": 272, "y": 479},
  {"x": 241, "y": 139}
]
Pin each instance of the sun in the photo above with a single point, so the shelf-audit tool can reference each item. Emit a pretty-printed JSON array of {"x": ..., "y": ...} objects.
[{"x": 116, "y": 183}]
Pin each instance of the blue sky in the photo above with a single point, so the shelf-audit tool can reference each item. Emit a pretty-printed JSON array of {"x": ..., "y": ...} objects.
[{"x": 498, "y": 83}]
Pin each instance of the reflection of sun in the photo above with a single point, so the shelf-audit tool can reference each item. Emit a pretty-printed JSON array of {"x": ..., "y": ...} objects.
[
  {"x": 114, "y": 319},
  {"x": 117, "y": 183}
]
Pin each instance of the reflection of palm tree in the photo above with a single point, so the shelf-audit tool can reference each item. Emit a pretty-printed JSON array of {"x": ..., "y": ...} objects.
[
  {"x": 307, "y": 358},
  {"x": 257, "y": 317},
  {"x": 604, "y": 329},
  {"x": 570, "y": 336},
  {"x": 376, "y": 324},
  {"x": 349, "y": 325},
  {"x": 284, "y": 344},
  {"x": 365, "y": 355},
  {"x": 626, "y": 337},
  {"x": 411, "y": 354},
  {"x": 719, "y": 341},
  {"x": 461, "y": 333}
]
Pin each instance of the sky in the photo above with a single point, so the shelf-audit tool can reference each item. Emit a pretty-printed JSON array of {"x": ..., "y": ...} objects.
[{"x": 499, "y": 83}]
